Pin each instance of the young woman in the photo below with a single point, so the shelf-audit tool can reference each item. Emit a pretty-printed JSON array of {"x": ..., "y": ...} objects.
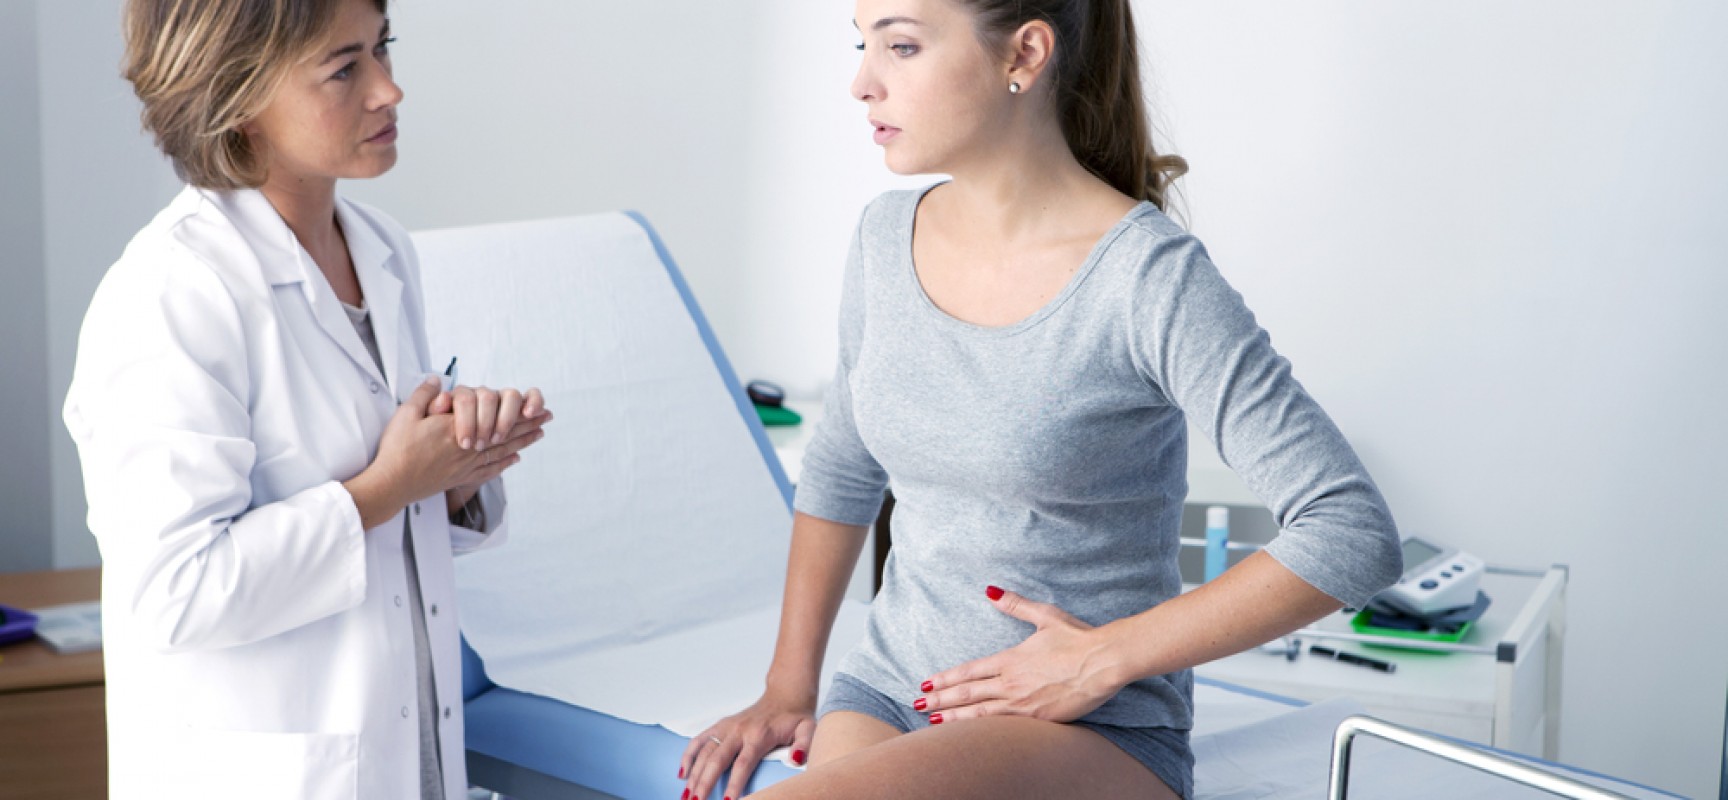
[
  {"x": 276, "y": 480},
  {"x": 1022, "y": 350}
]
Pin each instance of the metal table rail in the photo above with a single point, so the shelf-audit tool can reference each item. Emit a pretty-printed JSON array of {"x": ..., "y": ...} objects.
[{"x": 1499, "y": 766}]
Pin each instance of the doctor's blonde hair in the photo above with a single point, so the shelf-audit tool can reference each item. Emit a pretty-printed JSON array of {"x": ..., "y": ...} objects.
[{"x": 204, "y": 68}]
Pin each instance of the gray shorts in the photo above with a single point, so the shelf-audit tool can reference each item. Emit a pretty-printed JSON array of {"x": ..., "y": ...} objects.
[{"x": 1164, "y": 751}]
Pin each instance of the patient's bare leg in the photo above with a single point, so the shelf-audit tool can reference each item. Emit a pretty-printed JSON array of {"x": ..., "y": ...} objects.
[
  {"x": 995, "y": 757},
  {"x": 841, "y": 733}
]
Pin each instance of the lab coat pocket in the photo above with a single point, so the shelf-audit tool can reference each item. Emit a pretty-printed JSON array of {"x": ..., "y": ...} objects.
[{"x": 229, "y": 764}]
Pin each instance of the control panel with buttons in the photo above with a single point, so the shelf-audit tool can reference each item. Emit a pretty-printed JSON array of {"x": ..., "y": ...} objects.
[{"x": 1436, "y": 578}]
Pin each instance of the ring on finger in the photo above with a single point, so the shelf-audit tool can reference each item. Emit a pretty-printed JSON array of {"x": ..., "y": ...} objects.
[{"x": 714, "y": 739}]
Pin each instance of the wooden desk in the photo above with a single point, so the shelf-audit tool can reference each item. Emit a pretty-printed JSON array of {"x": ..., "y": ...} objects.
[{"x": 53, "y": 729}]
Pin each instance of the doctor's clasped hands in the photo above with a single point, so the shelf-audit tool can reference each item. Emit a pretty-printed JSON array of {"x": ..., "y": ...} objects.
[{"x": 451, "y": 442}]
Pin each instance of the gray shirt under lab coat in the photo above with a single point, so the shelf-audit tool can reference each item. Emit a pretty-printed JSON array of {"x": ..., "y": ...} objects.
[{"x": 431, "y": 769}]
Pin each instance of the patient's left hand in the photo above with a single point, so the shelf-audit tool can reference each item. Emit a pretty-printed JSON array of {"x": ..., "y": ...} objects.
[{"x": 1060, "y": 673}]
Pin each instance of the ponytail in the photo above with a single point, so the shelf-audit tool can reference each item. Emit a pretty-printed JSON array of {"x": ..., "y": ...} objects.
[{"x": 1097, "y": 89}]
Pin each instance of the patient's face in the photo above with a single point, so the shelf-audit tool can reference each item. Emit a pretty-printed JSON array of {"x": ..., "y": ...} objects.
[
  {"x": 334, "y": 115},
  {"x": 935, "y": 95}
]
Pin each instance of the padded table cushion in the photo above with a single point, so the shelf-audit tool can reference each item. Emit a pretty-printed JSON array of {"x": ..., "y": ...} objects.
[
  {"x": 586, "y": 747},
  {"x": 578, "y": 745}
]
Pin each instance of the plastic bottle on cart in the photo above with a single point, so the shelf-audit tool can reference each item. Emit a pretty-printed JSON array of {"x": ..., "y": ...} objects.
[{"x": 1217, "y": 541}]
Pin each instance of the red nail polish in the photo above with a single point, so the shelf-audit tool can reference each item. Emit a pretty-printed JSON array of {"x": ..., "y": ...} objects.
[
  {"x": 798, "y": 757},
  {"x": 993, "y": 592},
  {"x": 936, "y": 719},
  {"x": 920, "y": 704},
  {"x": 681, "y": 775},
  {"x": 926, "y": 687},
  {"x": 685, "y": 796}
]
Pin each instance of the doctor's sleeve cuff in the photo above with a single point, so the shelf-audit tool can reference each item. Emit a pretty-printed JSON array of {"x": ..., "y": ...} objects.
[
  {"x": 472, "y": 515},
  {"x": 353, "y": 535},
  {"x": 493, "y": 532}
]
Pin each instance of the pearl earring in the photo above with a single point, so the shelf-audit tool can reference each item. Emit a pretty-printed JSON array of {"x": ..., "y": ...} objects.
[{"x": 1014, "y": 88}]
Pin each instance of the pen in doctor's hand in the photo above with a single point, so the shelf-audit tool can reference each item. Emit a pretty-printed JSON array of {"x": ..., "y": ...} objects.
[
  {"x": 448, "y": 382},
  {"x": 1352, "y": 658}
]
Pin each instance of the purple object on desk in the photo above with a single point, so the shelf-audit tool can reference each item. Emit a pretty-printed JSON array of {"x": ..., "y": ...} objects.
[{"x": 19, "y": 624}]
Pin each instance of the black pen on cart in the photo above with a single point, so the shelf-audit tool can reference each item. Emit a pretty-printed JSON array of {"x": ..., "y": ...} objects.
[{"x": 1352, "y": 658}]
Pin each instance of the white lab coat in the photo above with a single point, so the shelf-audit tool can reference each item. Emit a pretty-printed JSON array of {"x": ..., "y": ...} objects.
[{"x": 257, "y": 641}]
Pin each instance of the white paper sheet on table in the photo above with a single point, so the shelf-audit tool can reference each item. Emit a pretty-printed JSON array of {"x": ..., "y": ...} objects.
[{"x": 648, "y": 520}]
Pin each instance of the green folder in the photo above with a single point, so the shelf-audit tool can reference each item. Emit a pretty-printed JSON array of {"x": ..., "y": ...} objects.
[{"x": 777, "y": 415}]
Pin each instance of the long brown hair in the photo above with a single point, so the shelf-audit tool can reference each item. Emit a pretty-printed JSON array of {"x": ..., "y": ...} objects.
[{"x": 1097, "y": 88}]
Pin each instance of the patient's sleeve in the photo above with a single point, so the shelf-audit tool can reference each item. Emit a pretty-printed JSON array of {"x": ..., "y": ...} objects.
[
  {"x": 841, "y": 481},
  {"x": 1198, "y": 344}
]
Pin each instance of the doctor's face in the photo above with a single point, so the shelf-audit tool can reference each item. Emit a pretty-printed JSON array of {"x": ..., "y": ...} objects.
[
  {"x": 335, "y": 114},
  {"x": 935, "y": 93}
]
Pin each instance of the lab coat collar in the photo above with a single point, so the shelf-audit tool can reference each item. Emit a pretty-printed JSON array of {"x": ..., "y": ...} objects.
[
  {"x": 264, "y": 231},
  {"x": 382, "y": 289},
  {"x": 284, "y": 261}
]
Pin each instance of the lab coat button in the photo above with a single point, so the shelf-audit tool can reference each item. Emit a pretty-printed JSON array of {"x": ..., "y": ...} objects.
[
  {"x": 404, "y": 712},
  {"x": 446, "y": 712},
  {"x": 375, "y": 387},
  {"x": 434, "y": 609},
  {"x": 398, "y": 601},
  {"x": 416, "y": 509}
]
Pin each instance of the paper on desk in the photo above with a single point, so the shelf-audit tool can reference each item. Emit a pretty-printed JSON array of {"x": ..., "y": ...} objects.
[
  {"x": 71, "y": 628},
  {"x": 647, "y": 521}
]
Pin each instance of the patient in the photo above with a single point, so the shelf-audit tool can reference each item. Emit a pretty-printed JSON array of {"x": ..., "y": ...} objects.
[{"x": 1022, "y": 350}]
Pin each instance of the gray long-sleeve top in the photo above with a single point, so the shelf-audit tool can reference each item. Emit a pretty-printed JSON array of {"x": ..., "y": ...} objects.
[{"x": 1049, "y": 457}]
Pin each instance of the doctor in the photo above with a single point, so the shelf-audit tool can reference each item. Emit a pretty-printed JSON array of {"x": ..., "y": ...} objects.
[{"x": 276, "y": 484}]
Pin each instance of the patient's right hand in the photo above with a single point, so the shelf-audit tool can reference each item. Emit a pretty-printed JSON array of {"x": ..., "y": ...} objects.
[{"x": 741, "y": 740}]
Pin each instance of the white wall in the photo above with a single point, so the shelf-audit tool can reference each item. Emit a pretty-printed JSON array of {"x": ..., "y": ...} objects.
[
  {"x": 1481, "y": 231},
  {"x": 24, "y": 482},
  {"x": 1486, "y": 236},
  {"x": 548, "y": 108},
  {"x": 101, "y": 181}
]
